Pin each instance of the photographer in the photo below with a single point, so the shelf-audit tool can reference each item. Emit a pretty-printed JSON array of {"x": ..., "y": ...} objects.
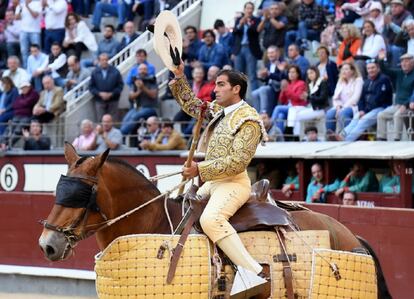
[{"x": 143, "y": 98}]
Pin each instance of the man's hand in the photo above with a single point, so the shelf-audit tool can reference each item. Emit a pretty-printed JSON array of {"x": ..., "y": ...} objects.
[
  {"x": 412, "y": 105},
  {"x": 38, "y": 110},
  {"x": 25, "y": 133},
  {"x": 144, "y": 144},
  {"x": 339, "y": 192},
  {"x": 192, "y": 171},
  {"x": 139, "y": 83},
  {"x": 179, "y": 71}
]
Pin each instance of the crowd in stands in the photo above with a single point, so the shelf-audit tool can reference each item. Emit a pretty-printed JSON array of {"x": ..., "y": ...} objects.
[{"x": 344, "y": 66}]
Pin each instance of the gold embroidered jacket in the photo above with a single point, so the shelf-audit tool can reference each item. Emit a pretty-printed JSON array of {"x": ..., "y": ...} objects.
[{"x": 230, "y": 144}]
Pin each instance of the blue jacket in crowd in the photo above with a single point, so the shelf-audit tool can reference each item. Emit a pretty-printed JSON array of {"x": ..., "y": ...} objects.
[
  {"x": 213, "y": 55},
  {"x": 112, "y": 82},
  {"x": 376, "y": 93}
]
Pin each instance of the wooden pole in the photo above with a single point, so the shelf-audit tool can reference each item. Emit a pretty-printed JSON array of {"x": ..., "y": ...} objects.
[{"x": 194, "y": 142}]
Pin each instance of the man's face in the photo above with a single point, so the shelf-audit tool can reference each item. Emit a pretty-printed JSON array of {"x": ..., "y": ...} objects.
[
  {"x": 12, "y": 64},
  {"x": 372, "y": 70},
  {"x": 407, "y": 65},
  {"x": 317, "y": 173},
  {"x": 349, "y": 199},
  {"x": 9, "y": 16},
  {"x": 107, "y": 123},
  {"x": 142, "y": 70},
  {"x": 87, "y": 128},
  {"x": 274, "y": 10},
  {"x": 292, "y": 52},
  {"x": 34, "y": 51},
  {"x": 152, "y": 126},
  {"x": 73, "y": 66},
  {"x": 56, "y": 50},
  {"x": 212, "y": 73},
  {"x": 410, "y": 30},
  {"x": 35, "y": 128},
  {"x": 312, "y": 136},
  {"x": 190, "y": 34},
  {"x": 396, "y": 9},
  {"x": 141, "y": 57},
  {"x": 272, "y": 54},
  {"x": 248, "y": 10},
  {"x": 129, "y": 28},
  {"x": 224, "y": 91},
  {"x": 25, "y": 89},
  {"x": 208, "y": 39},
  {"x": 48, "y": 83},
  {"x": 104, "y": 61},
  {"x": 166, "y": 130},
  {"x": 108, "y": 33}
]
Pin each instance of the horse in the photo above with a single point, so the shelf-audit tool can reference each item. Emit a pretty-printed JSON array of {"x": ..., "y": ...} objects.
[{"x": 102, "y": 188}]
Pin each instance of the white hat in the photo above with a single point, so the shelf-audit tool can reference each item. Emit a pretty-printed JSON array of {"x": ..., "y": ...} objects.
[
  {"x": 167, "y": 24},
  {"x": 24, "y": 84},
  {"x": 375, "y": 5}
]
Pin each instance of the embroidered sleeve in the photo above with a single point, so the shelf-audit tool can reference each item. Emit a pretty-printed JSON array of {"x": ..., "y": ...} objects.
[
  {"x": 186, "y": 98},
  {"x": 242, "y": 151}
]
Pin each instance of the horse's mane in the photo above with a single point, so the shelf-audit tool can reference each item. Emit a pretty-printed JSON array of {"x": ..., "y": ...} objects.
[{"x": 133, "y": 170}]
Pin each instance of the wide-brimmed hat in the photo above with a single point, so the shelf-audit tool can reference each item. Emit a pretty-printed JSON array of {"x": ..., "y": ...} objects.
[{"x": 167, "y": 38}]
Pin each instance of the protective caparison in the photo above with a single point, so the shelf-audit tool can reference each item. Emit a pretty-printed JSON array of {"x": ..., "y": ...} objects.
[{"x": 72, "y": 192}]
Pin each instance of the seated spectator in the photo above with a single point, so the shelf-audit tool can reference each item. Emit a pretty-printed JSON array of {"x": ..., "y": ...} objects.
[
  {"x": 225, "y": 37},
  {"x": 349, "y": 198},
  {"x": 265, "y": 172},
  {"x": 345, "y": 100},
  {"x": 115, "y": 9},
  {"x": 372, "y": 43},
  {"x": 404, "y": 43},
  {"x": 54, "y": 13},
  {"x": 78, "y": 37},
  {"x": 265, "y": 97},
  {"x": 311, "y": 22},
  {"x": 50, "y": 103},
  {"x": 329, "y": 36},
  {"x": 273, "y": 132},
  {"x": 143, "y": 98},
  {"x": 404, "y": 87},
  {"x": 12, "y": 32},
  {"x": 36, "y": 64},
  {"x": 76, "y": 73},
  {"x": 356, "y": 10},
  {"x": 168, "y": 139},
  {"x": 273, "y": 25},
  {"x": 350, "y": 44},
  {"x": 292, "y": 14},
  {"x": 130, "y": 35},
  {"x": 86, "y": 141},
  {"x": 318, "y": 97},
  {"x": 22, "y": 107},
  {"x": 34, "y": 140},
  {"x": 15, "y": 72},
  {"x": 151, "y": 132},
  {"x": 328, "y": 70},
  {"x": 292, "y": 181},
  {"x": 107, "y": 135},
  {"x": 7, "y": 98},
  {"x": 311, "y": 134},
  {"x": 211, "y": 53},
  {"x": 376, "y": 96},
  {"x": 191, "y": 48},
  {"x": 292, "y": 96},
  {"x": 376, "y": 16},
  {"x": 409, "y": 119},
  {"x": 106, "y": 86},
  {"x": 316, "y": 184},
  {"x": 359, "y": 179},
  {"x": 206, "y": 91},
  {"x": 294, "y": 57},
  {"x": 141, "y": 57},
  {"x": 394, "y": 22},
  {"x": 57, "y": 66}
]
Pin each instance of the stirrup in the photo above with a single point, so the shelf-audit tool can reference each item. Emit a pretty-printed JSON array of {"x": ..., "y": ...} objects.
[
  {"x": 191, "y": 194},
  {"x": 247, "y": 284}
]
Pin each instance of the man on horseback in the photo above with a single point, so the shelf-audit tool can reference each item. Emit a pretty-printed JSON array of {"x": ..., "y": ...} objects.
[{"x": 230, "y": 141}]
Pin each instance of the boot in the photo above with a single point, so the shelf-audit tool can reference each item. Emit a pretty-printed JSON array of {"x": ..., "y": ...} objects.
[{"x": 247, "y": 284}]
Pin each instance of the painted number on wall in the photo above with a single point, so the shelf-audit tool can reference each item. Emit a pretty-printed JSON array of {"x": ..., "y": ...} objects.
[{"x": 8, "y": 177}]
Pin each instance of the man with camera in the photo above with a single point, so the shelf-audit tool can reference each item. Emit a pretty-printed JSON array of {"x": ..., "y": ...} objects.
[{"x": 143, "y": 99}]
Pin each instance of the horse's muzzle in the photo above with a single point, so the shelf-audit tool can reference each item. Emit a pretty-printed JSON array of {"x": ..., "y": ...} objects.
[{"x": 54, "y": 245}]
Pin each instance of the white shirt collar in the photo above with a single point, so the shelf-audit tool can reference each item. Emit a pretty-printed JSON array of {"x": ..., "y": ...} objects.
[{"x": 231, "y": 108}]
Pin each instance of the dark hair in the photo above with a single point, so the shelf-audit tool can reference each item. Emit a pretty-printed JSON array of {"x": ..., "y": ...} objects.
[
  {"x": 311, "y": 129},
  {"x": 110, "y": 26},
  {"x": 36, "y": 121},
  {"x": 218, "y": 23},
  {"x": 7, "y": 80},
  {"x": 166, "y": 122},
  {"x": 209, "y": 31},
  {"x": 297, "y": 69},
  {"x": 316, "y": 70},
  {"x": 247, "y": 3},
  {"x": 364, "y": 37},
  {"x": 35, "y": 46},
  {"x": 325, "y": 49},
  {"x": 190, "y": 27},
  {"x": 141, "y": 51},
  {"x": 236, "y": 78},
  {"x": 56, "y": 44},
  {"x": 71, "y": 14}
]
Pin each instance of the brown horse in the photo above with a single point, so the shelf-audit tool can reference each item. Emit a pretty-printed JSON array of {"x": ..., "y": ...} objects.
[{"x": 97, "y": 188}]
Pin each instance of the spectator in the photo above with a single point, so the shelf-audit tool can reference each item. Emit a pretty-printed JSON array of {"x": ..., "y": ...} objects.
[
  {"x": 376, "y": 16},
  {"x": 264, "y": 171},
  {"x": 141, "y": 57},
  {"x": 376, "y": 96},
  {"x": 246, "y": 44},
  {"x": 12, "y": 32},
  {"x": 356, "y": 10},
  {"x": 225, "y": 37},
  {"x": 151, "y": 132},
  {"x": 35, "y": 140},
  {"x": 297, "y": 59},
  {"x": 394, "y": 22},
  {"x": 404, "y": 43},
  {"x": 359, "y": 179},
  {"x": 143, "y": 98},
  {"x": 292, "y": 14},
  {"x": 50, "y": 103},
  {"x": 149, "y": 9},
  {"x": 329, "y": 36},
  {"x": 345, "y": 99},
  {"x": 349, "y": 198},
  {"x": 317, "y": 95},
  {"x": 291, "y": 96},
  {"x": 3, "y": 46},
  {"x": 191, "y": 48},
  {"x": 54, "y": 12},
  {"x": 327, "y": 69},
  {"x": 7, "y": 99},
  {"x": 78, "y": 37},
  {"x": 206, "y": 91},
  {"x": 15, "y": 72},
  {"x": 311, "y": 134},
  {"x": 211, "y": 53},
  {"x": 168, "y": 139},
  {"x": 36, "y": 64},
  {"x": 106, "y": 86},
  {"x": 311, "y": 22},
  {"x": 265, "y": 97},
  {"x": 316, "y": 184},
  {"x": 113, "y": 8},
  {"x": 107, "y": 135},
  {"x": 404, "y": 86},
  {"x": 76, "y": 73},
  {"x": 292, "y": 181},
  {"x": 86, "y": 141},
  {"x": 350, "y": 44},
  {"x": 273, "y": 132},
  {"x": 273, "y": 25},
  {"x": 130, "y": 35},
  {"x": 29, "y": 12},
  {"x": 57, "y": 66}
]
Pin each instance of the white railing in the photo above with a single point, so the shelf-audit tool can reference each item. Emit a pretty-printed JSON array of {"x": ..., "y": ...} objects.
[{"x": 81, "y": 91}]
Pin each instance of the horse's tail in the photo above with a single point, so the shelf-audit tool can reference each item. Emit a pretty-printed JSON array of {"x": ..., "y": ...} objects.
[{"x": 383, "y": 292}]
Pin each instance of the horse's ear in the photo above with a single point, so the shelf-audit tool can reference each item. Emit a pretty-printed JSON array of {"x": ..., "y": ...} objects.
[
  {"x": 70, "y": 153},
  {"x": 101, "y": 158}
]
